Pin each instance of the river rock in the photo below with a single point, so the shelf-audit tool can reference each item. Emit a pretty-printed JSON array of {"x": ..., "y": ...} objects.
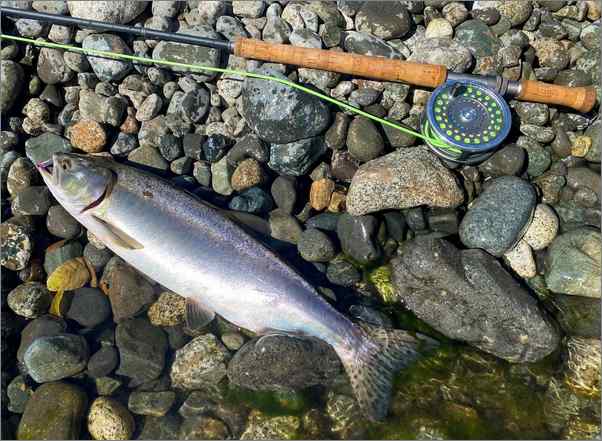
[
  {"x": 498, "y": 218},
  {"x": 29, "y": 300},
  {"x": 16, "y": 246},
  {"x": 119, "y": 12},
  {"x": 280, "y": 114},
  {"x": 543, "y": 228},
  {"x": 41, "y": 148},
  {"x": 296, "y": 158},
  {"x": 520, "y": 259},
  {"x": 202, "y": 362},
  {"x": 44, "y": 326},
  {"x": 11, "y": 84},
  {"x": 18, "y": 392},
  {"x": 89, "y": 307},
  {"x": 151, "y": 403},
  {"x": 476, "y": 36},
  {"x": 142, "y": 349},
  {"x": 264, "y": 427},
  {"x": 109, "y": 419},
  {"x": 455, "y": 56},
  {"x": 168, "y": 310},
  {"x": 573, "y": 263},
  {"x": 108, "y": 69},
  {"x": 315, "y": 246},
  {"x": 357, "y": 235},
  {"x": 578, "y": 316},
  {"x": 54, "y": 411},
  {"x": 166, "y": 427},
  {"x": 402, "y": 179},
  {"x": 51, "y": 66},
  {"x": 364, "y": 141},
  {"x": 56, "y": 357},
  {"x": 383, "y": 19},
  {"x": 103, "y": 362},
  {"x": 366, "y": 44},
  {"x": 190, "y": 54},
  {"x": 31, "y": 201},
  {"x": 468, "y": 296},
  {"x": 279, "y": 362},
  {"x": 129, "y": 293}
]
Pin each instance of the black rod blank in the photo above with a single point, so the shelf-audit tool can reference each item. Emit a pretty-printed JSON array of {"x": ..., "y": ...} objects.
[{"x": 147, "y": 34}]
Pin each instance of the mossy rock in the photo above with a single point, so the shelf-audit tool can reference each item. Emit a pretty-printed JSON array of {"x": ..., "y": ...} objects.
[{"x": 54, "y": 411}]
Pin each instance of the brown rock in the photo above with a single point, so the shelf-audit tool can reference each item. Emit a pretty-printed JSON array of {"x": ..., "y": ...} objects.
[
  {"x": 320, "y": 192},
  {"x": 247, "y": 174},
  {"x": 89, "y": 136},
  {"x": 129, "y": 292},
  {"x": 130, "y": 125},
  {"x": 337, "y": 202}
]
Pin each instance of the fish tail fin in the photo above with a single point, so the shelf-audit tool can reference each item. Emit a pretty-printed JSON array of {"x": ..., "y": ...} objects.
[{"x": 372, "y": 364}]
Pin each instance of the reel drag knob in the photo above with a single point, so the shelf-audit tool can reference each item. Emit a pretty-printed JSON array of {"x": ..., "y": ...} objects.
[{"x": 467, "y": 119}]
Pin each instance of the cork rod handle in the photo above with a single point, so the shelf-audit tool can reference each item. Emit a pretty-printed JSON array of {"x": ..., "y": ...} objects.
[
  {"x": 378, "y": 68},
  {"x": 578, "y": 98}
]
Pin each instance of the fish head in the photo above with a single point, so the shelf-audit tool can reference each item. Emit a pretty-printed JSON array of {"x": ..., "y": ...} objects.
[{"x": 78, "y": 182}]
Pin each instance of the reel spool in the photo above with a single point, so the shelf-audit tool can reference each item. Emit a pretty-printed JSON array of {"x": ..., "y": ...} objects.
[{"x": 469, "y": 119}]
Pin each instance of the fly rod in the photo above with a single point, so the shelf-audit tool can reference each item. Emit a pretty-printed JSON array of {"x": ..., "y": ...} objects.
[{"x": 582, "y": 99}]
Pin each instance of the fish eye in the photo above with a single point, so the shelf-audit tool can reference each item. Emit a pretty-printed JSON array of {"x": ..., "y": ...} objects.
[{"x": 65, "y": 164}]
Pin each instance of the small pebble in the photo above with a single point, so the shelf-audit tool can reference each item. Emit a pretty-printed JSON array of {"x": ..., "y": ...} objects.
[
  {"x": 247, "y": 174},
  {"x": 109, "y": 419},
  {"x": 315, "y": 246},
  {"x": 89, "y": 136},
  {"x": 29, "y": 300},
  {"x": 543, "y": 228},
  {"x": 520, "y": 259},
  {"x": 168, "y": 310}
]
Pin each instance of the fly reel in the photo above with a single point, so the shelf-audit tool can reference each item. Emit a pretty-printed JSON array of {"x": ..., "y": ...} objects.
[{"x": 467, "y": 119}]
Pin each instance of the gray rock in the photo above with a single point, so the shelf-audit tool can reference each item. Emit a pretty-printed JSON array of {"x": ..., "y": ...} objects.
[
  {"x": 221, "y": 174},
  {"x": 124, "y": 144},
  {"x": 315, "y": 246},
  {"x": 151, "y": 403},
  {"x": 44, "y": 326},
  {"x": 119, "y": 12},
  {"x": 149, "y": 108},
  {"x": 365, "y": 44},
  {"x": 231, "y": 28},
  {"x": 593, "y": 131},
  {"x": 52, "y": 7},
  {"x": 51, "y": 66},
  {"x": 550, "y": 53},
  {"x": 281, "y": 114},
  {"x": 106, "y": 110},
  {"x": 18, "y": 392},
  {"x": 383, "y": 19},
  {"x": 578, "y": 316},
  {"x": 166, "y": 427},
  {"x": 89, "y": 307},
  {"x": 468, "y": 296},
  {"x": 107, "y": 69},
  {"x": 190, "y": 54},
  {"x": 56, "y": 357},
  {"x": 276, "y": 30},
  {"x": 194, "y": 105},
  {"x": 33, "y": 201},
  {"x": 142, "y": 350},
  {"x": 400, "y": 180},
  {"x": 284, "y": 193},
  {"x": 340, "y": 272},
  {"x": 29, "y": 300},
  {"x": 516, "y": 11},
  {"x": 476, "y": 36},
  {"x": 498, "y": 218},
  {"x": 41, "y": 148},
  {"x": 98, "y": 258},
  {"x": 54, "y": 411},
  {"x": 61, "y": 224},
  {"x": 364, "y": 141},
  {"x": 103, "y": 362},
  {"x": 336, "y": 135},
  {"x": 455, "y": 56},
  {"x": 544, "y": 135},
  {"x": 249, "y": 146},
  {"x": 508, "y": 161},
  {"x": 278, "y": 362},
  {"x": 284, "y": 227},
  {"x": 573, "y": 263},
  {"x": 57, "y": 256},
  {"x": 200, "y": 363},
  {"x": 129, "y": 292},
  {"x": 201, "y": 170},
  {"x": 149, "y": 157},
  {"x": 532, "y": 113},
  {"x": 296, "y": 158},
  {"x": 11, "y": 84},
  {"x": 252, "y": 200},
  {"x": 248, "y": 9},
  {"x": 357, "y": 235}
]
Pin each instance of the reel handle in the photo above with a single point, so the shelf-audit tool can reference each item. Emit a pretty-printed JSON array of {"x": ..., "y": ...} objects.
[
  {"x": 578, "y": 98},
  {"x": 378, "y": 68}
]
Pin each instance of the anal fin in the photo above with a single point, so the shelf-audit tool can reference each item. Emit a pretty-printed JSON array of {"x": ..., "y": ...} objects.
[{"x": 197, "y": 316}]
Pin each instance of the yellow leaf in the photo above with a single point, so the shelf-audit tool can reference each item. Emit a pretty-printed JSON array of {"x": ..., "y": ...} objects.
[
  {"x": 72, "y": 274},
  {"x": 55, "y": 306}
]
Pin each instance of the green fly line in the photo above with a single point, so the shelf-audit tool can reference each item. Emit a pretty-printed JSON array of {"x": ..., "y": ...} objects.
[{"x": 195, "y": 67}]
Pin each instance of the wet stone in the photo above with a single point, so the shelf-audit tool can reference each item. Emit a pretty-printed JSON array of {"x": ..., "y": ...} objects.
[
  {"x": 155, "y": 404},
  {"x": 357, "y": 236},
  {"x": 56, "y": 357},
  {"x": 363, "y": 140},
  {"x": 103, "y": 362},
  {"x": 107, "y": 69},
  {"x": 296, "y": 158},
  {"x": 41, "y": 327},
  {"x": 89, "y": 307},
  {"x": 33, "y": 201},
  {"x": 284, "y": 193},
  {"x": 109, "y": 419},
  {"x": 16, "y": 246},
  {"x": 252, "y": 200},
  {"x": 41, "y": 148},
  {"x": 315, "y": 246},
  {"x": 61, "y": 224},
  {"x": 340, "y": 272},
  {"x": 29, "y": 300},
  {"x": 129, "y": 293},
  {"x": 18, "y": 392}
]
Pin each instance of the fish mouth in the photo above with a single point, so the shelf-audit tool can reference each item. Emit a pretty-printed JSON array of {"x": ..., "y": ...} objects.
[{"x": 46, "y": 168}]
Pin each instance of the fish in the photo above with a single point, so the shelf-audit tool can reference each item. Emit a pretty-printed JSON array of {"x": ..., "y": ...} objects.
[{"x": 194, "y": 250}]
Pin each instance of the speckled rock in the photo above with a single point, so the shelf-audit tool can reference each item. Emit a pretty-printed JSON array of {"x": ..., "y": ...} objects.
[
  {"x": 551, "y": 53},
  {"x": 51, "y": 66},
  {"x": 41, "y": 148},
  {"x": 263, "y": 427},
  {"x": 119, "y": 12},
  {"x": 29, "y": 300},
  {"x": 168, "y": 310},
  {"x": 498, "y": 218},
  {"x": 247, "y": 174},
  {"x": 573, "y": 263},
  {"x": 364, "y": 141},
  {"x": 383, "y": 19},
  {"x": 296, "y": 158},
  {"x": 203, "y": 427},
  {"x": 18, "y": 392},
  {"x": 202, "y": 362},
  {"x": 281, "y": 114},
  {"x": 520, "y": 259},
  {"x": 31, "y": 201},
  {"x": 543, "y": 228},
  {"x": 455, "y": 56},
  {"x": 16, "y": 246},
  {"x": 89, "y": 136},
  {"x": 54, "y": 411},
  {"x": 402, "y": 179},
  {"x": 315, "y": 246},
  {"x": 109, "y": 419}
]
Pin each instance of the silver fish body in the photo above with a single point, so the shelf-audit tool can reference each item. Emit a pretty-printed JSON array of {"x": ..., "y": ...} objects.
[{"x": 191, "y": 249}]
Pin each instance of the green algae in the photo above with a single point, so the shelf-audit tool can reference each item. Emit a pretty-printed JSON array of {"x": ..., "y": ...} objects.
[{"x": 273, "y": 403}]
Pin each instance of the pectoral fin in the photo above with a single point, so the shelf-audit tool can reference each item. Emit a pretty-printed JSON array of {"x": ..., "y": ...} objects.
[
  {"x": 116, "y": 236},
  {"x": 197, "y": 316}
]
